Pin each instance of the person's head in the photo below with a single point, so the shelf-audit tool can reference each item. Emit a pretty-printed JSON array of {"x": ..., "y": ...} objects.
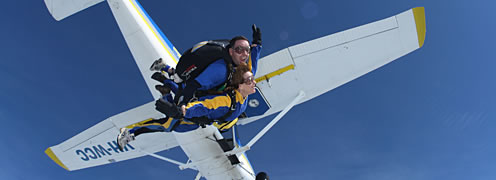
[
  {"x": 239, "y": 49},
  {"x": 243, "y": 80}
]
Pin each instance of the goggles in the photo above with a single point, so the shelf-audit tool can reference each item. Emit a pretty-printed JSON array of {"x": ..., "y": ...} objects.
[
  {"x": 249, "y": 80},
  {"x": 241, "y": 49}
]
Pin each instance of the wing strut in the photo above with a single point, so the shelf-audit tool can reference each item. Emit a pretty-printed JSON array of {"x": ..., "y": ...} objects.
[
  {"x": 276, "y": 119},
  {"x": 182, "y": 166},
  {"x": 301, "y": 94}
]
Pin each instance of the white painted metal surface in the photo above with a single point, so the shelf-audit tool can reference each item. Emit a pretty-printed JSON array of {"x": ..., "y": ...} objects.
[
  {"x": 297, "y": 99},
  {"x": 96, "y": 145},
  {"x": 207, "y": 156},
  {"x": 320, "y": 65},
  {"x": 144, "y": 40},
  {"x": 325, "y": 63},
  {"x": 60, "y": 9}
]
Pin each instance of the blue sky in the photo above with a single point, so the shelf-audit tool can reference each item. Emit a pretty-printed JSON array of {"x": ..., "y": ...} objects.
[{"x": 428, "y": 115}]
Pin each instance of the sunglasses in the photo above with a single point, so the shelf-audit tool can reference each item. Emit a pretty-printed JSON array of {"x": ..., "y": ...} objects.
[
  {"x": 249, "y": 80},
  {"x": 241, "y": 49}
]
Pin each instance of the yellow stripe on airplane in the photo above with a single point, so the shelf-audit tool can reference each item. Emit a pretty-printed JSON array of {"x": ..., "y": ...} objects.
[
  {"x": 419, "y": 15},
  {"x": 275, "y": 73},
  {"x": 154, "y": 32},
  {"x": 50, "y": 154}
]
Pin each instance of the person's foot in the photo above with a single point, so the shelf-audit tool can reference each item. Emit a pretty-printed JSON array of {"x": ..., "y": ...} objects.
[
  {"x": 124, "y": 138},
  {"x": 158, "y": 65},
  {"x": 163, "y": 89},
  {"x": 158, "y": 76}
]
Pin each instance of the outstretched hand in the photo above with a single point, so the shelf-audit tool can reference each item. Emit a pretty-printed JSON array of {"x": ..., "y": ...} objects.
[{"x": 257, "y": 35}]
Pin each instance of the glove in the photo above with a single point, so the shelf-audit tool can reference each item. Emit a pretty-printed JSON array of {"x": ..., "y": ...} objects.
[
  {"x": 257, "y": 35},
  {"x": 168, "y": 109}
]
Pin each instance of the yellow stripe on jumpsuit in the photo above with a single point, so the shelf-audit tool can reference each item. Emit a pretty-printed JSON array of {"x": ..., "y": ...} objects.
[{"x": 213, "y": 107}]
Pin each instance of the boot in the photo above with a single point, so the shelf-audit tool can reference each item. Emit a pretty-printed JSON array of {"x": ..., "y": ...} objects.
[
  {"x": 158, "y": 65},
  {"x": 159, "y": 77}
]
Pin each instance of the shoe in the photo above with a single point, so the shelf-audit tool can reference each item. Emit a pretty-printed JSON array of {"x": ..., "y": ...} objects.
[
  {"x": 159, "y": 77},
  {"x": 158, "y": 65},
  {"x": 124, "y": 138}
]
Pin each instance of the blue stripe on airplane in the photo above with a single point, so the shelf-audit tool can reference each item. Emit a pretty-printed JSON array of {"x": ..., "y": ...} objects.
[
  {"x": 169, "y": 44},
  {"x": 238, "y": 141}
]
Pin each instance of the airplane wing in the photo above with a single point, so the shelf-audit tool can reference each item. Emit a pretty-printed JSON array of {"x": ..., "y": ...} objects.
[
  {"x": 334, "y": 59},
  {"x": 97, "y": 145},
  {"x": 320, "y": 65},
  {"x": 60, "y": 9}
]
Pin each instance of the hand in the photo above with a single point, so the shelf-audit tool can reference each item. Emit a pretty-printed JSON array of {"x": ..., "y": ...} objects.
[
  {"x": 183, "y": 109},
  {"x": 257, "y": 35},
  {"x": 168, "y": 109}
]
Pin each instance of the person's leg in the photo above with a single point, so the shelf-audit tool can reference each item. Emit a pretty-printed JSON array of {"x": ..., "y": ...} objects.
[
  {"x": 171, "y": 84},
  {"x": 149, "y": 126},
  {"x": 129, "y": 133}
]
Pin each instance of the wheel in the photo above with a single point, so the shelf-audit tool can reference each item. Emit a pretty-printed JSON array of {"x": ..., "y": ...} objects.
[{"x": 262, "y": 176}]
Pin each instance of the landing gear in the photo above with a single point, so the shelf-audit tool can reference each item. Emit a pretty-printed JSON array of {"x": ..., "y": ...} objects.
[{"x": 262, "y": 176}]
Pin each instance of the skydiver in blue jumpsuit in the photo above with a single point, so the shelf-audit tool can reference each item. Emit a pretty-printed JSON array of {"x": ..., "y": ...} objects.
[
  {"x": 209, "y": 108},
  {"x": 216, "y": 73}
]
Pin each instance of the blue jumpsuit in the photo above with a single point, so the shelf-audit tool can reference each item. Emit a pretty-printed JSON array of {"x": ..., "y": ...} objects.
[
  {"x": 215, "y": 75},
  {"x": 212, "y": 106}
]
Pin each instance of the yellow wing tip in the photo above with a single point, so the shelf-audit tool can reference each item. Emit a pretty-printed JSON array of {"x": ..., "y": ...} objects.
[
  {"x": 419, "y": 15},
  {"x": 50, "y": 154}
]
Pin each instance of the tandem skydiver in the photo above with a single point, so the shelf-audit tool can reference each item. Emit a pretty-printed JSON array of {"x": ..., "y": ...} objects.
[
  {"x": 211, "y": 79},
  {"x": 207, "y": 66},
  {"x": 220, "y": 110}
]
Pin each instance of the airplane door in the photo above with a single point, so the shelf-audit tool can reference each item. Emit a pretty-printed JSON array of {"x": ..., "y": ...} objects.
[{"x": 257, "y": 104}]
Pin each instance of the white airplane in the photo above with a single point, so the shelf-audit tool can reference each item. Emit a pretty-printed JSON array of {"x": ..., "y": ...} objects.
[{"x": 331, "y": 60}]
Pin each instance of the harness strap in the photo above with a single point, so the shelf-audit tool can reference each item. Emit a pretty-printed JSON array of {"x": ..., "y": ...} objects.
[
  {"x": 232, "y": 108},
  {"x": 203, "y": 120}
]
